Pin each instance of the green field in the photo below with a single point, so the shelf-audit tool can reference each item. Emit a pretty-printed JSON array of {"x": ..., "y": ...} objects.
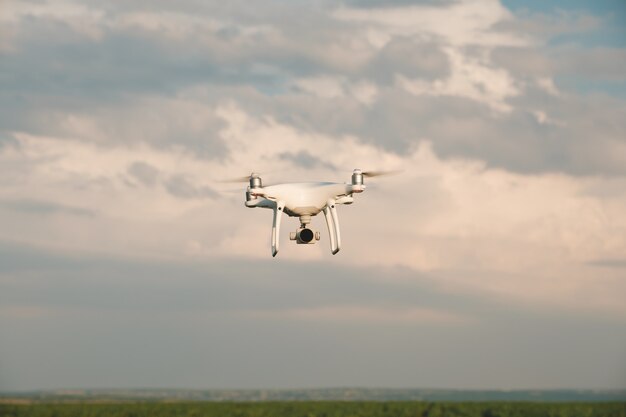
[{"x": 316, "y": 409}]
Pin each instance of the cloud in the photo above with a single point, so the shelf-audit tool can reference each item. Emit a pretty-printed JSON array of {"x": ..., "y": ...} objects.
[
  {"x": 304, "y": 159},
  {"x": 179, "y": 186},
  {"x": 519, "y": 140},
  {"x": 320, "y": 322},
  {"x": 220, "y": 286},
  {"x": 467, "y": 22},
  {"x": 543, "y": 26},
  {"x": 598, "y": 63},
  {"x": 389, "y": 76},
  {"x": 525, "y": 241},
  {"x": 408, "y": 57},
  {"x": 366, "y": 314},
  {"x": 43, "y": 207},
  {"x": 367, "y": 4},
  {"x": 143, "y": 172},
  {"x": 608, "y": 263}
]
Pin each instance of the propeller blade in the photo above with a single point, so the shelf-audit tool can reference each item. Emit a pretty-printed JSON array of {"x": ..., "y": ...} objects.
[
  {"x": 370, "y": 174},
  {"x": 231, "y": 191},
  {"x": 238, "y": 179},
  {"x": 242, "y": 179}
]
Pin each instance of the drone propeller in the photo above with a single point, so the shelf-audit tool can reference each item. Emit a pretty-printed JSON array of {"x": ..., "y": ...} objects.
[
  {"x": 238, "y": 179},
  {"x": 241, "y": 179},
  {"x": 370, "y": 174}
]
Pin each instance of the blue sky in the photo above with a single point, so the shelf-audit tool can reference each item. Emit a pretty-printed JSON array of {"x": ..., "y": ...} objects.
[
  {"x": 610, "y": 34},
  {"x": 614, "y": 8},
  {"x": 495, "y": 260}
]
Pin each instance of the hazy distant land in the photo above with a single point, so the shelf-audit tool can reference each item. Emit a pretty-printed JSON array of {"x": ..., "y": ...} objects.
[{"x": 324, "y": 394}]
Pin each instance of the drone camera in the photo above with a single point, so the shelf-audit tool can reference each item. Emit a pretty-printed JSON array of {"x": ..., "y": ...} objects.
[{"x": 304, "y": 236}]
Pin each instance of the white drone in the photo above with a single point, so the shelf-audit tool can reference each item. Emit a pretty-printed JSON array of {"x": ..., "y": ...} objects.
[{"x": 304, "y": 200}]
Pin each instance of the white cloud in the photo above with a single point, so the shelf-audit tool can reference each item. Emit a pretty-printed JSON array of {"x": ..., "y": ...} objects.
[
  {"x": 82, "y": 19},
  {"x": 467, "y": 24},
  {"x": 324, "y": 86},
  {"x": 460, "y": 24},
  {"x": 331, "y": 87},
  {"x": 526, "y": 238},
  {"x": 469, "y": 78}
]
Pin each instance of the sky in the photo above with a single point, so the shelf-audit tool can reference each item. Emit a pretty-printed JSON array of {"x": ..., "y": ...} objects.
[{"x": 495, "y": 260}]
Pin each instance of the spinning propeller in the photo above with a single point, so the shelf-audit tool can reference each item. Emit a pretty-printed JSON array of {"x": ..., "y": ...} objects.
[
  {"x": 370, "y": 174},
  {"x": 242, "y": 179}
]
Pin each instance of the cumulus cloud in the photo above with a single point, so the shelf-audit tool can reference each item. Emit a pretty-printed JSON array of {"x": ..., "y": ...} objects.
[
  {"x": 597, "y": 63},
  {"x": 145, "y": 173},
  {"x": 410, "y": 58},
  {"x": 179, "y": 186},
  {"x": 413, "y": 92},
  {"x": 339, "y": 70},
  {"x": 543, "y": 26},
  {"x": 270, "y": 316},
  {"x": 482, "y": 229},
  {"x": 305, "y": 160},
  {"x": 43, "y": 207}
]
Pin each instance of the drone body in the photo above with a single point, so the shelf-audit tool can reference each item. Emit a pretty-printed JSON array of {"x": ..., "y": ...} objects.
[{"x": 304, "y": 200}]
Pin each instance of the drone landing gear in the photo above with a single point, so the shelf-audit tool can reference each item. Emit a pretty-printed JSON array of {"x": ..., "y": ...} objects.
[
  {"x": 304, "y": 235},
  {"x": 278, "y": 213},
  {"x": 332, "y": 221}
]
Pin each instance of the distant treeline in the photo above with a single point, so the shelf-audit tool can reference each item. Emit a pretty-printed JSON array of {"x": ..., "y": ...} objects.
[
  {"x": 317, "y": 409},
  {"x": 319, "y": 394}
]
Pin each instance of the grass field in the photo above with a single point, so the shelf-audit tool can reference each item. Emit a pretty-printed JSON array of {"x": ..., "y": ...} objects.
[{"x": 315, "y": 409}]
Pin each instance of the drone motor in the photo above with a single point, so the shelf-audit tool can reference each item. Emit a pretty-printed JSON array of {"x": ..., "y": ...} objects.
[
  {"x": 357, "y": 177},
  {"x": 255, "y": 181}
]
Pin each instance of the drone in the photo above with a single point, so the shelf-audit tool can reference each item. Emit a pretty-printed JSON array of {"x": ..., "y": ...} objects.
[{"x": 305, "y": 200}]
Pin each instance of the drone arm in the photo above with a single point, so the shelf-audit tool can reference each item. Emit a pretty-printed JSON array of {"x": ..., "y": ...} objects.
[
  {"x": 344, "y": 199},
  {"x": 278, "y": 212},
  {"x": 261, "y": 202},
  {"x": 330, "y": 214}
]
